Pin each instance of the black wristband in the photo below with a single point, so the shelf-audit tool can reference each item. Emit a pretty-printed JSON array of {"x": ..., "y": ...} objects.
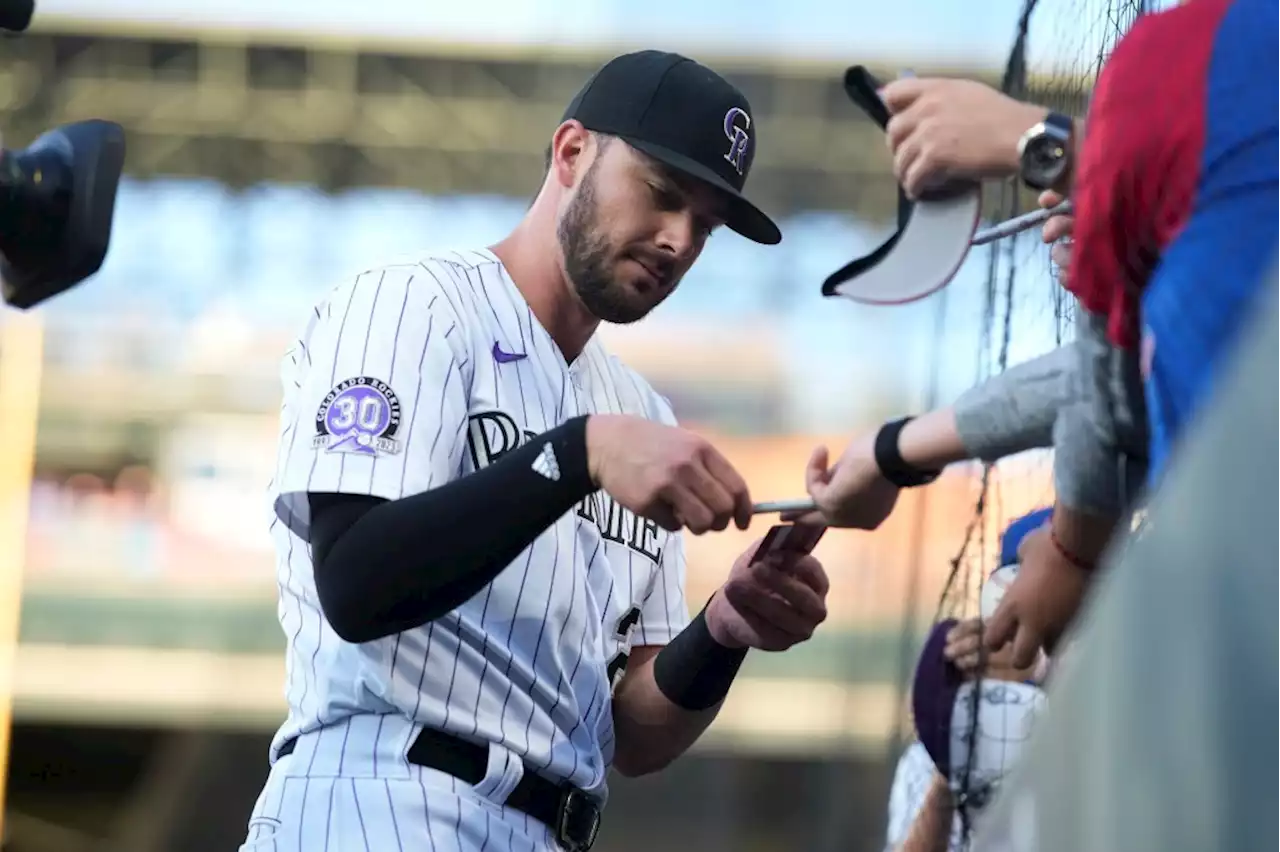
[
  {"x": 694, "y": 671},
  {"x": 889, "y": 459}
]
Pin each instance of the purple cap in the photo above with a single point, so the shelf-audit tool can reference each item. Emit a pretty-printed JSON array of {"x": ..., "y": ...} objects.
[{"x": 933, "y": 696}]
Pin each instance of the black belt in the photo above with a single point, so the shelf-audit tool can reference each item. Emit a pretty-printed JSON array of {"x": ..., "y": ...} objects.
[{"x": 570, "y": 813}]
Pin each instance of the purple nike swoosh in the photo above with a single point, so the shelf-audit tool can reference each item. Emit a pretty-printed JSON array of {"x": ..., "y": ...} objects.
[{"x": 506, "y": 357}]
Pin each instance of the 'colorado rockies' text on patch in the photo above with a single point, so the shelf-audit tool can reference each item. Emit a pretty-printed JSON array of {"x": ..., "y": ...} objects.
[
  {"x": 493, "y": 434},
  {"x": 360, "y": 415}
]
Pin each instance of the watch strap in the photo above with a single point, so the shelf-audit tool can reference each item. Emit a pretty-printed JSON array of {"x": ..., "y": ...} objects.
[
  {"x": 889, "y": 459},
  {"x": 1062, "y": 124}
]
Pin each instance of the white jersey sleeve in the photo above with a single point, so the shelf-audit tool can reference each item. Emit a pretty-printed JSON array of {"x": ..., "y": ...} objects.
[
  {"x": 911, "y": 782},
  {"x": 664, "y": 612},
  {"x": 376, "y": 393}
]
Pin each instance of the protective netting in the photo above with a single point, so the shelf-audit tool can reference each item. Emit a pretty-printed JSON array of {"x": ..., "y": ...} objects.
[
  {"x": 1204, "y": 721},
  {"x": 1058, "y": 48},
  {"x": 1026, "y": 311}
]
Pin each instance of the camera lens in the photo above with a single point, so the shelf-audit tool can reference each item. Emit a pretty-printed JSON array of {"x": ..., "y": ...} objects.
[{"x": 35, "y": 200}]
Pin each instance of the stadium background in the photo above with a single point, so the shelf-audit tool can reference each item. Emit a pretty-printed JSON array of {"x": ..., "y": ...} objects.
[{"x": 274, "y": 146}]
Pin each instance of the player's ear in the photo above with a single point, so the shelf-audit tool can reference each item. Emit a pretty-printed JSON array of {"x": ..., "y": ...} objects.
[{"x": 568, "y": 152}]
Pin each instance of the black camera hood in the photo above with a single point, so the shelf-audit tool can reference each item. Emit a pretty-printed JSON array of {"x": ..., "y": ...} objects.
[{"x": 91, "y": 154}]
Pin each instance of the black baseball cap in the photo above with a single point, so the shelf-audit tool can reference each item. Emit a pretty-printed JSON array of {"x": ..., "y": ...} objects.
[{"x": 685, "y": 116}]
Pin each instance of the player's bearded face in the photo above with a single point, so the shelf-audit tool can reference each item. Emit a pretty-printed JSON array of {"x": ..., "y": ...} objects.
[{"x": 618, "y": 273}]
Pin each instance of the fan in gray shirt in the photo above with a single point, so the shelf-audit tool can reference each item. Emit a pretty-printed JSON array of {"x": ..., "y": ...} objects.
[{"x": 1083, "y": 399}]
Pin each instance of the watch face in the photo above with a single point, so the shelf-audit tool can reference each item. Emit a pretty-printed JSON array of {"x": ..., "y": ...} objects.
[
  {"x": 1043, "y": 160},
  {"x": 1045, "y": 153}
]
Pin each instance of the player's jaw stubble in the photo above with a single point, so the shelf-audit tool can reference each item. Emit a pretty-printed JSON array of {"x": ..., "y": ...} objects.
[{"x": 590, "y": 262}]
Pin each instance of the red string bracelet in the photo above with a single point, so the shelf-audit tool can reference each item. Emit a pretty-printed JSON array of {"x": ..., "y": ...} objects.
[{"x": 1068, "y": 554}]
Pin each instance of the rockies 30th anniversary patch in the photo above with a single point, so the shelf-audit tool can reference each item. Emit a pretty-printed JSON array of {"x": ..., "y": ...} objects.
[{"x": 360, "y": 415}]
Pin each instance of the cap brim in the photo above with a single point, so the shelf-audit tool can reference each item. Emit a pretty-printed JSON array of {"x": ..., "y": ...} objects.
[
  {"x": 920, "y": 258},
  {"x": 741, "y": 216},
  {"x": 933, "y": 695}
]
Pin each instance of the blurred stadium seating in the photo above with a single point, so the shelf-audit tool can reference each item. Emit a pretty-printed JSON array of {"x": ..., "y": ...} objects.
[{"x": 265, "y": 163}]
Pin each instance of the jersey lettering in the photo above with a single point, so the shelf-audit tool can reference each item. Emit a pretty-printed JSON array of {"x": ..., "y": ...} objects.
[
  {"x": 622, "y": 632},
  {"x": 620, "y": 525},
  {"x": 493, "y": 434}
]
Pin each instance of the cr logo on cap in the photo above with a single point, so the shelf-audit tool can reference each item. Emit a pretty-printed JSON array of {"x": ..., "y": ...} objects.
[{"x": 737, "y": 136}]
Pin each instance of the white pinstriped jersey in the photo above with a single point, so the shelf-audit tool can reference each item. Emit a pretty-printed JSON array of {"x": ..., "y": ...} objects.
[
  {"x": 911, "y": 782},
  {"x": 408, "y": 377}
]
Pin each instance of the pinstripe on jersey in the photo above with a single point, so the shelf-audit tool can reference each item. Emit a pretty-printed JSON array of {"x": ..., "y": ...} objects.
[
  {"x": 528, "y": 662},
  {"x": 911, "y": 781}
]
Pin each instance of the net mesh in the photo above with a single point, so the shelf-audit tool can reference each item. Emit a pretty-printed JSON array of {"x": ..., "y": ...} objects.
[
  {"x": 1212, "y": 710},
  {"x": 1058, "y": 48}
]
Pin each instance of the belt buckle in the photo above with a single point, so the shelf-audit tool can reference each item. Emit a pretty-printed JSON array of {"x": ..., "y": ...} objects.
[{"x": 577, "y": 821}]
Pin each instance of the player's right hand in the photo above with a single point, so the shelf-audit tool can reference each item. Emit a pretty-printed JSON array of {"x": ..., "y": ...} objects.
[{"x": 666, "y": 474}]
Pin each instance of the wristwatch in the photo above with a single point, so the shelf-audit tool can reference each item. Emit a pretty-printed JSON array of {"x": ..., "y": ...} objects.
[
  {"x": 1044, "y": 151},
  {"x": 889, "y": 459}
]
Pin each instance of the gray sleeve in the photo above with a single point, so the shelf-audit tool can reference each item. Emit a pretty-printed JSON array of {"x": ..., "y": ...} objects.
[
  {"x": 1100, "y": 438},
  {"x": 1016, "y": 410}
]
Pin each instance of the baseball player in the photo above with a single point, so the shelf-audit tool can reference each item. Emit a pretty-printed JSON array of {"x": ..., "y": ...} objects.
[{"x": 478, "y": 510}]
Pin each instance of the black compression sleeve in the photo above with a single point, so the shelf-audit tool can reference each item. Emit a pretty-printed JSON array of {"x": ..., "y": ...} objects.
[
  {"x": 385, "y": 566},
  {"x": 694, "y": 671}
]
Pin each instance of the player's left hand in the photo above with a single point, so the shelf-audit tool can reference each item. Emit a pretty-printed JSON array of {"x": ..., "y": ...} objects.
[
  {"x": 1040, "y": 603},
  {"x": 770, "y": 603}
]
